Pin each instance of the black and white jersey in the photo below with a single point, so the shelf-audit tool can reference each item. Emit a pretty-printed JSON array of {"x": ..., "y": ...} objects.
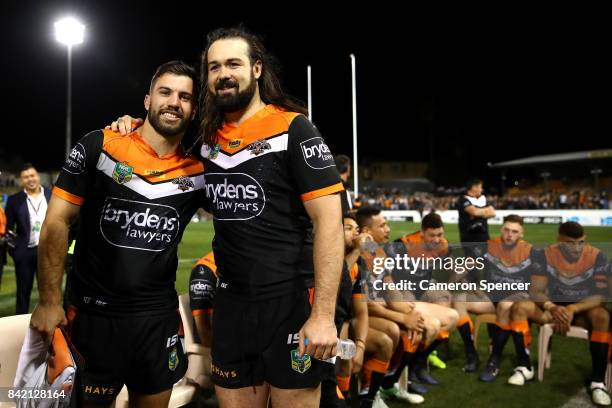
[
  {"x": 135, "y": 206},
  {"x": 258, "y": 177},
  {"x": 472, "y": 229}
]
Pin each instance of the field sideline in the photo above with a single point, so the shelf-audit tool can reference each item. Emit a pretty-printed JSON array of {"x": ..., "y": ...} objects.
[{"x": 570, "y": 364}]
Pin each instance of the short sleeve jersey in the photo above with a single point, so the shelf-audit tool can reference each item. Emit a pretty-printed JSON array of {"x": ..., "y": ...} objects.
[
  {"x": 472, "y": 229},
  {"x": 258, "y": 177},
  {"x": 202, "y": 284},
  {"x": 507, "y": 265},
  {"x": 135, "y": 206},
  {"x": 414, "y": 246},
  {"x": 570, "y": 282}
]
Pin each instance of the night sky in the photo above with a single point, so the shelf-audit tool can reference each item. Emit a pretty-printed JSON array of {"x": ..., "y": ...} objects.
[{"x": 486, "y": 89}]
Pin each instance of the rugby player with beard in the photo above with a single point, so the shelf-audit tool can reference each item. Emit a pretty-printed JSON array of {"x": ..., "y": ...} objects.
[
  {"x": 135, "y": 195},
  {"x": 273, "y": 187}
]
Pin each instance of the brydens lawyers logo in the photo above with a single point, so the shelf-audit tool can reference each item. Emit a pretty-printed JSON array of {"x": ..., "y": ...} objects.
[
  {"x": 316, "y": 153},
  {"x": 234, "y": 196},
  {"x": 201, "y": 289},
  {"x": 138, "y": 225},
  {"x": 75, "y": 162}
]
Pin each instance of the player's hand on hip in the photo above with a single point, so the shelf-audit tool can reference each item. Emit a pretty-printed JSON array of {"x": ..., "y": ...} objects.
[
  {"x": 125, "y": 124},
  {"x": 322, "y": 338},
  {"x": 46, "y": 318}
]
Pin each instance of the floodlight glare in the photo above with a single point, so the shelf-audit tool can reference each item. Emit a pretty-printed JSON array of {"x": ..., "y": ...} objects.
[{"x": 69, "y": 31}]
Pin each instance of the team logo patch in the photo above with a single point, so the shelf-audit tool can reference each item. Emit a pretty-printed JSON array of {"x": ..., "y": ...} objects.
[
  {"x": 258, "y": 147},
  {"x": 173, "y": 359},
  {"x": 317, "y": 154},
  {"x": 184, "y": 183},
  {"x": 300, "y": 364},
  {"x": 75, "y": 162},
  {"x": 122, "y": 173},
  {"x": 234, "y": 143}
]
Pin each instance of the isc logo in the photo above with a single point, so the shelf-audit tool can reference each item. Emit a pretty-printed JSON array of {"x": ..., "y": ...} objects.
[
  {"x": 293, "y": 338},
  {"x": 172, "y": 341}
]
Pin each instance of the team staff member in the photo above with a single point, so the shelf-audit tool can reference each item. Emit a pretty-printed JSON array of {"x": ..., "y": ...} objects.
[
  {"x": 272, "y": 186},
  {"x": 473, "y": 215},
  {"x": 135, "y": 195},
  {"x": 25, "y": 214}
]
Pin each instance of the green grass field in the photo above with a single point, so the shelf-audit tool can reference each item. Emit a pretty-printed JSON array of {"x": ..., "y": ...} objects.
[{"x": 570, "y": 367}]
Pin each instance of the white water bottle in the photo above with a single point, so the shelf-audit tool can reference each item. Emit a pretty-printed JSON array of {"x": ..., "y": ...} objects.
[{"x": 345, "y": 350}]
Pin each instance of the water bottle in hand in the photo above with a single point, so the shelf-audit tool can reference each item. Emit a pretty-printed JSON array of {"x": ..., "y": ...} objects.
[{"x": 345, "y": 349}]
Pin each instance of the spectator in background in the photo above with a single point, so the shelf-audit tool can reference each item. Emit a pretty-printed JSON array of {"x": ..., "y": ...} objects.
[
  {"x": 25, "y": 214},
  {"x": 563, "y": 201},
  {"x": 343, "y": 164}
]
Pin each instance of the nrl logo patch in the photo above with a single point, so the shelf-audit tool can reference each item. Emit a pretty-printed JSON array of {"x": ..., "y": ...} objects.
[
  {"x": 173, "y": 360},
  {"x": 183, "y": 183},
  {"x": 258, "y": 147},
  {"x": 234, "y": 143},
  {"x": 214, "y": 152},
  {"x": 122, "y": 173},
  {"x": 300, "y": 364}
]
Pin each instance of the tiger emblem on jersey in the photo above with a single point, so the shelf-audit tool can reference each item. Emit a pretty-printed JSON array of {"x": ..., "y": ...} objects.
[
  {"x": 183, "y": 183},
  {"x": 258, "y": 147}
]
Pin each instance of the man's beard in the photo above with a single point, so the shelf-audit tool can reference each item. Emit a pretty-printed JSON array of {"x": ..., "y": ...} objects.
[
  {"x": 167, "y": 129},
  {"x": 509, "y": 247},
  {"x": 235, "y": 102}
]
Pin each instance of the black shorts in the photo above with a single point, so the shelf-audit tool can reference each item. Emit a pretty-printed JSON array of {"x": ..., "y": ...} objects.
[
  {"x": 257, "y": 342},
  {"x": 145, "y": 353}
]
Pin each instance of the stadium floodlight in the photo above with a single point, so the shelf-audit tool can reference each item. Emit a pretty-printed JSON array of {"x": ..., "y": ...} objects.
[{"x": 69, "y": 31}]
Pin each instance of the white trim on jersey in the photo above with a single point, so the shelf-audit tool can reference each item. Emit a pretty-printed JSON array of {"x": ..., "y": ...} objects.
[
  {"x": 151, "y": 191},
  {"x": 507, "y": 269},
  {"x": 480, "y": 202},
  {"x": 570, "y": 281},
  {"x": 225, "y": 161}
]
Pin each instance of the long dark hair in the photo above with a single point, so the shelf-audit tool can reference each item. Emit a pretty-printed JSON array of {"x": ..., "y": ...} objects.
[{"x": 270, "y": 88}]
